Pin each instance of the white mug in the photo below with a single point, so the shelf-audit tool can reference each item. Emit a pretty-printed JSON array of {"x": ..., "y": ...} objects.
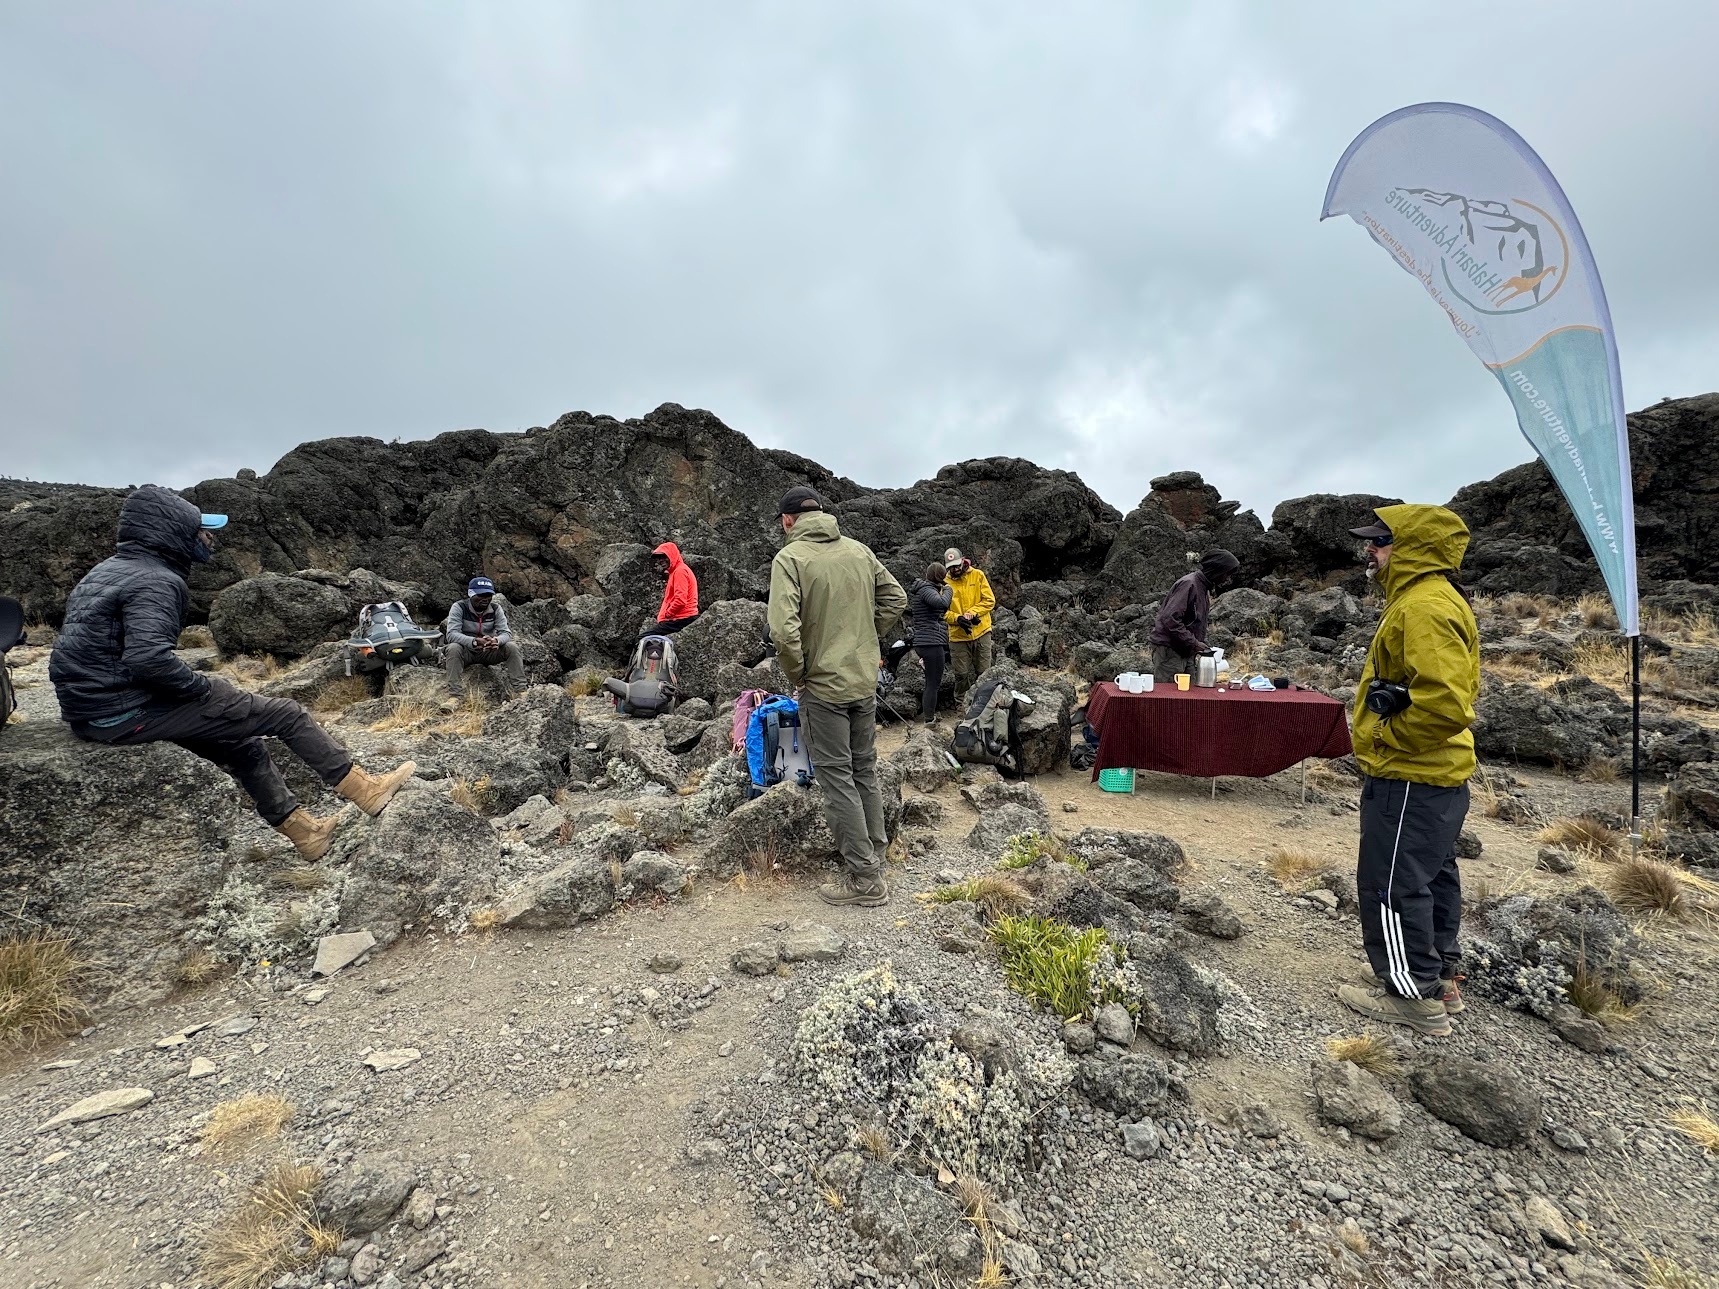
[{"x": 1145, "y": 684}]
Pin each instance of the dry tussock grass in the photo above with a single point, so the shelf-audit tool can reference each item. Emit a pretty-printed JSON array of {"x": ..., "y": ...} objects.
[
  {"x": 996, "y": 894},
  {"x": 1595, "y": 611},
  {"x": 584, "y": 686},
  {"x": 874, "y": 1140},
  {"x": 239, "y": 1126},
  {"x": 1599, "y": 769},
  {"x": 1369, "y": 1051},
  {"x": 484, "y": 920},
  {"x": 1647, "y": 886},
  {"x": 1664, "y": 1273},
  {"x": 1590, "y": 995},
  {"x": 1606, "y": 663},
  {"x": 40, "y": 975},
  {"x": 1526, "y": 608},
  {"x": 274, "y": 1233},
  {"x": 338, "y": 695},
  {"x": 1296, "y": 870},
  {"x": 199, "y": 967},
  {"x": 198, "y": 637},
  {"x": 1696, "y": 1124},
  {"x": 304, "y": 878},
  {"x": 476, "y": 795},
  {"x": 1585, "y": 835}
]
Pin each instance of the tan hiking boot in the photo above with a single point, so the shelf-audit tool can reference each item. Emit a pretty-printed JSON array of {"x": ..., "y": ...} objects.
[
  {"x": 371, "y": 792},
  {"x": 844, "y": 890},
  {"x": 1423, "y": 1015},
  {"x": 309, "y": 835},
  {"x": 1450, "y": 996}
]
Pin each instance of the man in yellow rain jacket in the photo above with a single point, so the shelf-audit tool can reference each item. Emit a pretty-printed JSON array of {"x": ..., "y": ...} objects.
[
  {"x": 1411, "y": 724},
  {"x": 969, "y": 619}
]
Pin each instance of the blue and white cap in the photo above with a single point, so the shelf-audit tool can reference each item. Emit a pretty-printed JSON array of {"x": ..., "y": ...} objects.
[
  {"x": 213, "y": 521},
  {"x": 480, "y": 586}
]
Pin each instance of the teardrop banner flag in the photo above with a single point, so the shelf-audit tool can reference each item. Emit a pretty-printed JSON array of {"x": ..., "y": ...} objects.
[{"x": 1461, "y": 202}]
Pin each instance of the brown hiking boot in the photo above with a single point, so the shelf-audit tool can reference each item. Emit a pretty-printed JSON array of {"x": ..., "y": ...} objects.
[
  {"x": 1450, "y": 996},
  {"x": 309, "y": 835},
  {"x": 844, "y": 890},
  {"x": 1423, "y": 1015},
  {"x": 371, "y": 792}
]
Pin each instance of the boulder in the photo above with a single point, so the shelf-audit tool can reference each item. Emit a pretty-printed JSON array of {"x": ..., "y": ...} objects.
[
  {"x": 996, "y": 826},
  {"x": 1328, "y": 612},
  {"x": 924, "y": 761},
  {"x": 651, "y": 870},
  {"x": 1488, "y": 1102},
  {"x": 727, "y": 632},
  {"x": 1179, "y": 1001},
  {"x": 1131, "y": 1085},
  {"x": 1526, "y": 723},
  {"x": 913, "y": 1224},
  {"x": 1693, "y": 797},
  {"x": 574, "y": 891},
  {"x": 1101, "y": 847},
  {"x": 364, "y": 1194},
  {"x": 1310, "y": 538},
  {"x": 1207, "y": 914},
  {"x": 423, "y": 856},
  {"x": 1247, "y": 612},
  {"x": 1350, "y": 1097},
  {"x": 1046, "y": 725},
  {"x": 785, "y": 828},
  {"x": 1182, "y": 516},
  {"x": 84, "y": 822},
  {"x": 279, "y": 615}
]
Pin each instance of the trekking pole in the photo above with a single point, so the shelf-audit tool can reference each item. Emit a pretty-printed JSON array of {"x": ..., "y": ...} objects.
[{"x": 1635, "y": 747}]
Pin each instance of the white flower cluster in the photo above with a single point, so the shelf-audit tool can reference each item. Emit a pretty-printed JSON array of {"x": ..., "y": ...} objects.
[
  {"x": 1497, "y": 974},
  {"x": 874, "y": 1047}
]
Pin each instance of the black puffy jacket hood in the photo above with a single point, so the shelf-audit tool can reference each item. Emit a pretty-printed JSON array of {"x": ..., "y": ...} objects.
[{"x": 161, "y": 521}]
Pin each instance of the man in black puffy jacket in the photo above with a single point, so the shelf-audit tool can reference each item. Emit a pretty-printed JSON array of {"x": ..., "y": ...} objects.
[{"x": 119, "y": 681}]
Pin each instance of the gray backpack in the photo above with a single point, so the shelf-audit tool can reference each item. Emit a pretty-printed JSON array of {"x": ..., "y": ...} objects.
[{"x": 990, "y": 732}]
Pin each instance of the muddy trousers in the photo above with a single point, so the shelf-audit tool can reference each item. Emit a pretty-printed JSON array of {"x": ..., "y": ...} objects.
[
  {"x": 844, "y": 760},
  {"x": 1407, "y": 883},
  {"x": 507, "y": 657},
  {"x": 227, "y": 727}
]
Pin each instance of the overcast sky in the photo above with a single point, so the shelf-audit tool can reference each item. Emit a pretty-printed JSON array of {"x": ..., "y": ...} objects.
[{"x": 887, "y": 236}]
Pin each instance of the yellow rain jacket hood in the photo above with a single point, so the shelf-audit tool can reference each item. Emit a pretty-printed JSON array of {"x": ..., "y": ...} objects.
[{"x": 1427, "y": 639}]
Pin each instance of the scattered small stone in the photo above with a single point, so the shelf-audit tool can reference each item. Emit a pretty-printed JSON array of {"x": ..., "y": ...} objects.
[
  {"x": 366, "y": 1193},
  {"x": 62, "y": 1065},
  {"x": 1554, "y": 860},
  {"x": 1257, "y": 1119},
  {"x": 703, "y": 1152},
  {"x": 423, "y": 1250},
  {"x": 1580, "y": 1030},
  {"x": 1079, "y": 1037},
  {"x": 1353, "y": 1098},
  {"x": 811, "y": 942},
  {"x": 336, "y": 951},
  {"x": 948, "y": 877},
  {"x": 365, "y": 1264},
  {"x": 202, "y": 1067},
  {"x": 172, "y": 1040},
  {"x": 664, "y": 962},
  {"x": 1548, "y": 1223},
  {"x": 101, "y": 1106},
  {"x": 236, "y": 1026},
  {"x": 394, "y": 1058},
  {"x": 1491, "y": 1103},
  {"x": 1113, "y": 1024},
  {"x": 1567, "y": 1138},
  {"x": 755, "y": 959},
  {"x": 311, "y": 997},
  {"x": 726, "y": 1050},
  {"x": 420, "y": 1208},
  {"x": 1140, "y": 1140},
  {"x": 1070, "y": 808},
  {"x": 1313, "y": 1188},
  {"x": 1323, "y": 899},
  {"x": 1468, "y": 845}
]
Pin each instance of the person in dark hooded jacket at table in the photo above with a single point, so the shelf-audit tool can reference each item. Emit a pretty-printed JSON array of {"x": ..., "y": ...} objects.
[
  {"x": 119, "y": 681},
  {"x": 1179, "y": 631}
]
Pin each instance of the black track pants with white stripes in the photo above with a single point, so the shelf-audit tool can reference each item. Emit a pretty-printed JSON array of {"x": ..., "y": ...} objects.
[{"x": 1407, "y": 883}]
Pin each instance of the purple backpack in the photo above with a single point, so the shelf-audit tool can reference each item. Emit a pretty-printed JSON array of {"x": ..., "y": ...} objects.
[{"x": 743, "y": 715}]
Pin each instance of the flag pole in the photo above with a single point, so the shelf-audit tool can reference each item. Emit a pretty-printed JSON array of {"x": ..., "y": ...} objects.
[{"x": 1635, "y": 746}]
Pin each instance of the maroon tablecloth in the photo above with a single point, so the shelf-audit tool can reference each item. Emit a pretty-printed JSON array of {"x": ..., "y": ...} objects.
[{"x": 1209, "y": 732}]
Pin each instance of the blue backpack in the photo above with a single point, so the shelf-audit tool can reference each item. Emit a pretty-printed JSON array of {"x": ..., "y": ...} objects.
[{"x": 776, "y": 746}]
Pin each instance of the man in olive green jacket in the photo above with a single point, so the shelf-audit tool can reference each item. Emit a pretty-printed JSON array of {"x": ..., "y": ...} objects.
[
  {"x": 1412, "y": 740},
  {"x": 830, "y": 602}
]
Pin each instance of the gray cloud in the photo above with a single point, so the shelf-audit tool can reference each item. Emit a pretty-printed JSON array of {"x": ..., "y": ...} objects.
[{"x": 886, "y": 236}]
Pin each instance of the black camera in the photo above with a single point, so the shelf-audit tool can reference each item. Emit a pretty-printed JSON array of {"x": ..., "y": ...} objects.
[{"x": 1387, "y": 698}]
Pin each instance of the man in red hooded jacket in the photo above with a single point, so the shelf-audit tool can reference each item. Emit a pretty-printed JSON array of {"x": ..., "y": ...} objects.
[{"x": 680, "y": 597}]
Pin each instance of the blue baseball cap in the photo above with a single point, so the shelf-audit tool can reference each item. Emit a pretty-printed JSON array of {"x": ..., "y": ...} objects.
[
  {"x": 213, "y": 521},
  {"x": 480, "y": 586}
]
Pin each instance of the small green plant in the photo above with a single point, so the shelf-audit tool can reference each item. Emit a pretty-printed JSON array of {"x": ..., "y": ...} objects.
[
  {"x": 996, "y": 894},
  {"x": 1070, "y": 972},
  {"x": 1025, "y": 849}
]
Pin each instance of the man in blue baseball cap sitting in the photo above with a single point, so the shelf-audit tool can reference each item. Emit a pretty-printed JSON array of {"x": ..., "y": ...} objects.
[
  {"x": 477, "y": 632},
  {"x": 119, "y": 681}
]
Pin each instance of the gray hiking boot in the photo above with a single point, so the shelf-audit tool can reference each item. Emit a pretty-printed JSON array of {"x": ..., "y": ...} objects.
[
  {"x": 845, "y": 890},
  {"x": 1423, "y": 1015}
]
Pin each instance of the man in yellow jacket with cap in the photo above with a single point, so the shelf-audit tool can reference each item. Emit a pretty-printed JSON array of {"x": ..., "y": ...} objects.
[
  {"x": 1411, "y": 732},
  {"x": 969, "y": 618}
]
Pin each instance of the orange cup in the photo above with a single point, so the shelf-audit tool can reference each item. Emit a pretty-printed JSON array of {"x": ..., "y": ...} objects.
[{"x": 1183, "y": 680}]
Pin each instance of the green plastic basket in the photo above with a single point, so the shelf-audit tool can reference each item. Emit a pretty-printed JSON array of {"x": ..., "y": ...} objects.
[{"x": 1116, "y": 780}]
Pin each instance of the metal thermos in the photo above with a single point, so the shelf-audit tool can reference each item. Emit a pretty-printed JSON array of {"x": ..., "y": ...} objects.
[{"x": 1206, "y": 671}]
